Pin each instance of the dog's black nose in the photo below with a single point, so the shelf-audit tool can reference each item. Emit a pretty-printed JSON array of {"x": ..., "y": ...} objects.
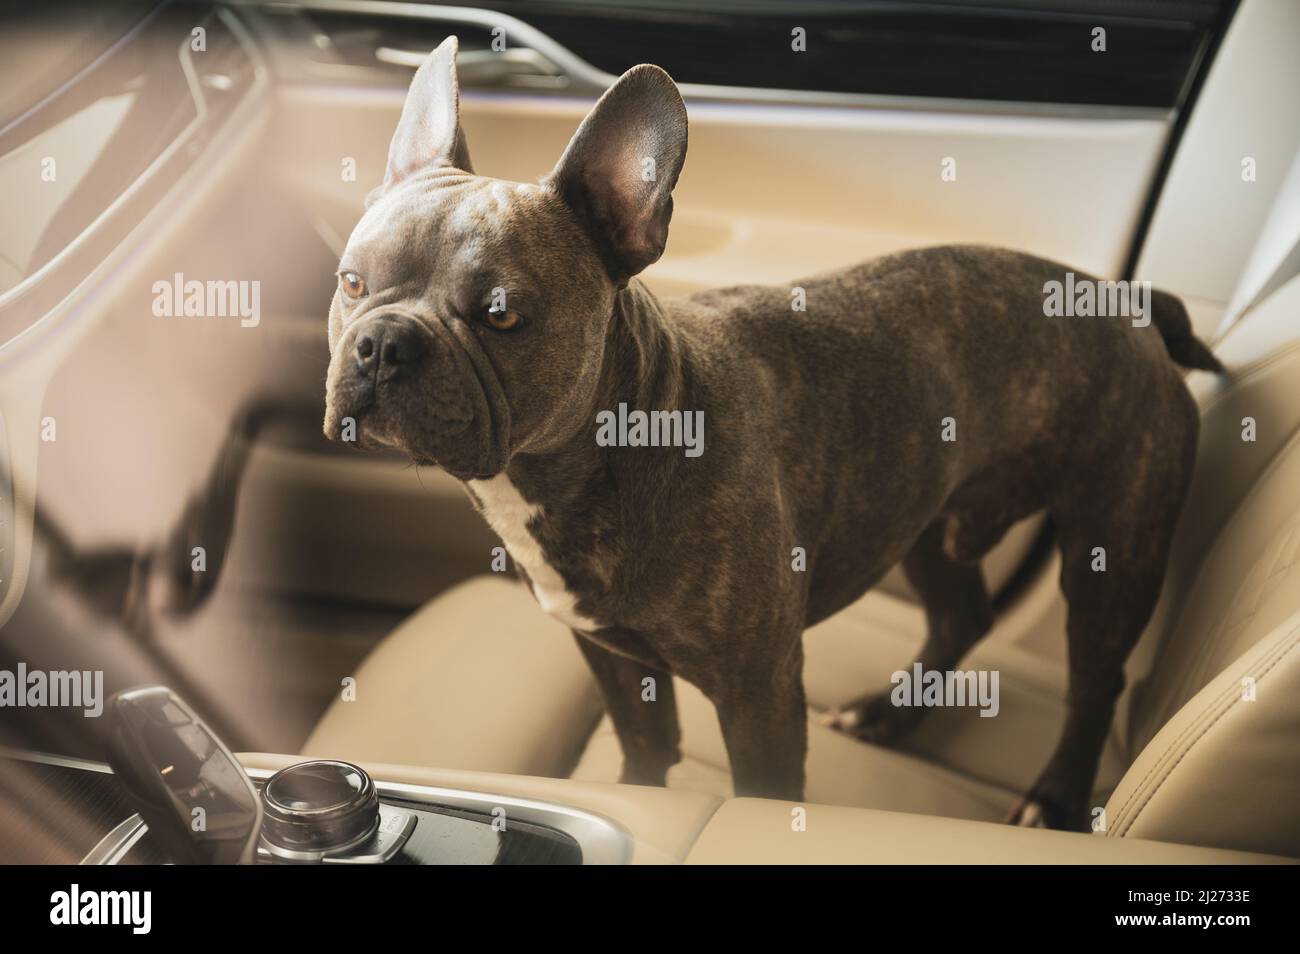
[{"x": 390, "y": 342}]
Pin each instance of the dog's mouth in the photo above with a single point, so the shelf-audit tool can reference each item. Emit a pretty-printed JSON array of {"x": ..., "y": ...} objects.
[
  {"x": 444, "y": 408},
  {"x": 424, "y": 461}
]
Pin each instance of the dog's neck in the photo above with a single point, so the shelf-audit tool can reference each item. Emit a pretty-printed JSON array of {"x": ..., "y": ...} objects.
[
  {"x": 648, "y": 366},
  {"x": 646, "y": 360}
]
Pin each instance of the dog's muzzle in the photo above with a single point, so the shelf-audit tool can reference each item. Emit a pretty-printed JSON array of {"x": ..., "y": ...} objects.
[{"x": 418, "y": 387}]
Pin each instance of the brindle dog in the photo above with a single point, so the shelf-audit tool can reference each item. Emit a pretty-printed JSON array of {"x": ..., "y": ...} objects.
[{"x": 482, "y": 326}]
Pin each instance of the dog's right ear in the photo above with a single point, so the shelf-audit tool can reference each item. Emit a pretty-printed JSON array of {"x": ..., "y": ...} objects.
[
  {"x": 620, "y": 168},
  {"x": 429, "y": 133}
]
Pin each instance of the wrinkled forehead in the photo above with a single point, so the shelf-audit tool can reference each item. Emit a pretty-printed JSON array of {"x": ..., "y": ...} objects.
[{"x": 453, "y": 218}]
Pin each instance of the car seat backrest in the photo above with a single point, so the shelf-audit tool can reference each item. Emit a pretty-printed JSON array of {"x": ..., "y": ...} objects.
[{"x": 1215, "y": 723}]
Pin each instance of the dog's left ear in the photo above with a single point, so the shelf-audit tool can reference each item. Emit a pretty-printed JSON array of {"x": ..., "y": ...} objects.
[
  {"x": 429, "y": 133},
  {"x": 620, "y": 168}
]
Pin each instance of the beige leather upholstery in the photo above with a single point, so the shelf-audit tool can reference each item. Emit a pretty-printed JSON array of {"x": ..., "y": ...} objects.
[
  {"x": 841, "y": 771},
  {"x": 759, "y": 831},
  {"x": 668, "y": 827},
  {"x": 957, "y": 764},
  {"x": 1223, "y": 700},
  {"x": 481, "y": 679},
  {"x": 477, "y": 679},
  {"x": 858, "y": 649}
]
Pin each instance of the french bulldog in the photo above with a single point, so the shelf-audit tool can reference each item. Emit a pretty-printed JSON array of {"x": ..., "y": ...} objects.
[{"x": 920, "y": 405}]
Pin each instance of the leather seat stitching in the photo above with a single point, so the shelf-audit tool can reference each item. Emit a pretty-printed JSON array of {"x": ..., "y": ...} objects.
[
  {"x": 1235, "y": 701},
  {"x": 1225, "y": 699},
  {"x": 1159, "y": 761}
]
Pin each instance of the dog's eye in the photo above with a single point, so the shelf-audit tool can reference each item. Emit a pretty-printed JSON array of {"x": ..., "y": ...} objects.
[
  {"x": 503, "y": 319},
  {"x": 353, "y": 285}
]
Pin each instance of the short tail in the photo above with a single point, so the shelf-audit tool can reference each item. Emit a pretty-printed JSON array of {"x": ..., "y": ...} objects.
[{"x": 1175, "y": 327}]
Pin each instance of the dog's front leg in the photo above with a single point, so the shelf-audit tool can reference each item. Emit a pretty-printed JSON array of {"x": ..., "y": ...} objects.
[
  {"x": 640, "y": 701},
  {"x": 765, "y": 726}
]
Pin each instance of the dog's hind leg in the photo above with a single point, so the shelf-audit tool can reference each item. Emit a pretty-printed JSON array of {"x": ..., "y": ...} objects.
[
  {"x": 1114, "y": 549},
  {"x": 958, "y": 614}
]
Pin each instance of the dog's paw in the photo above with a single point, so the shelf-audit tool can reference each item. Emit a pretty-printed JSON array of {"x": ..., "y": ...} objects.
[
  {"x": 1041, "y": 809},
  {"x": 1058, "y": 800},
  {"x": 875, "y": 719},
  {"x": 843, "y": 719},
  {"x": 1028, "y": 814}
]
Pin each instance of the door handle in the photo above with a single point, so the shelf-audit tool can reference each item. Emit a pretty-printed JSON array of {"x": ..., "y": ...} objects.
[{"x": 520, "y": 67}]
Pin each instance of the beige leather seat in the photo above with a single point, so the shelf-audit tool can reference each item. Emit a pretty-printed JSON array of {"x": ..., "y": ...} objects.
[{"x": 1205, "y": 749}]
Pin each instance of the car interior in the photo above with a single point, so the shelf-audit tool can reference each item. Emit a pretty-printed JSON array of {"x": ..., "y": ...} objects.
[{"x": 347, "y": 605}]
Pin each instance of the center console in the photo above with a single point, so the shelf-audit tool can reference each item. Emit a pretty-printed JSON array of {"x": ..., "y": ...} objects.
[
  {"x": 195, "y": 803},
  {"x": 419, "y": 825}
]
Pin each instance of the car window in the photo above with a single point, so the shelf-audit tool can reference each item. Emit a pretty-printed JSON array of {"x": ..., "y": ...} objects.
[{"x": 1044, "y": 51}]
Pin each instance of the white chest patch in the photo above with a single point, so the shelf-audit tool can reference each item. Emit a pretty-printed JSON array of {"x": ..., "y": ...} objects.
[{"x": 508, "y": 514}]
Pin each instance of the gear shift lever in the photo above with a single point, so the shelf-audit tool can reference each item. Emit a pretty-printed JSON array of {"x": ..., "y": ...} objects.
[{"x": 195, "y": 797}]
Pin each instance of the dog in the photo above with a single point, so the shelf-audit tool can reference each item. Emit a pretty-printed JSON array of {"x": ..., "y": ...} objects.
[{"x": 920, "y": 405}]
